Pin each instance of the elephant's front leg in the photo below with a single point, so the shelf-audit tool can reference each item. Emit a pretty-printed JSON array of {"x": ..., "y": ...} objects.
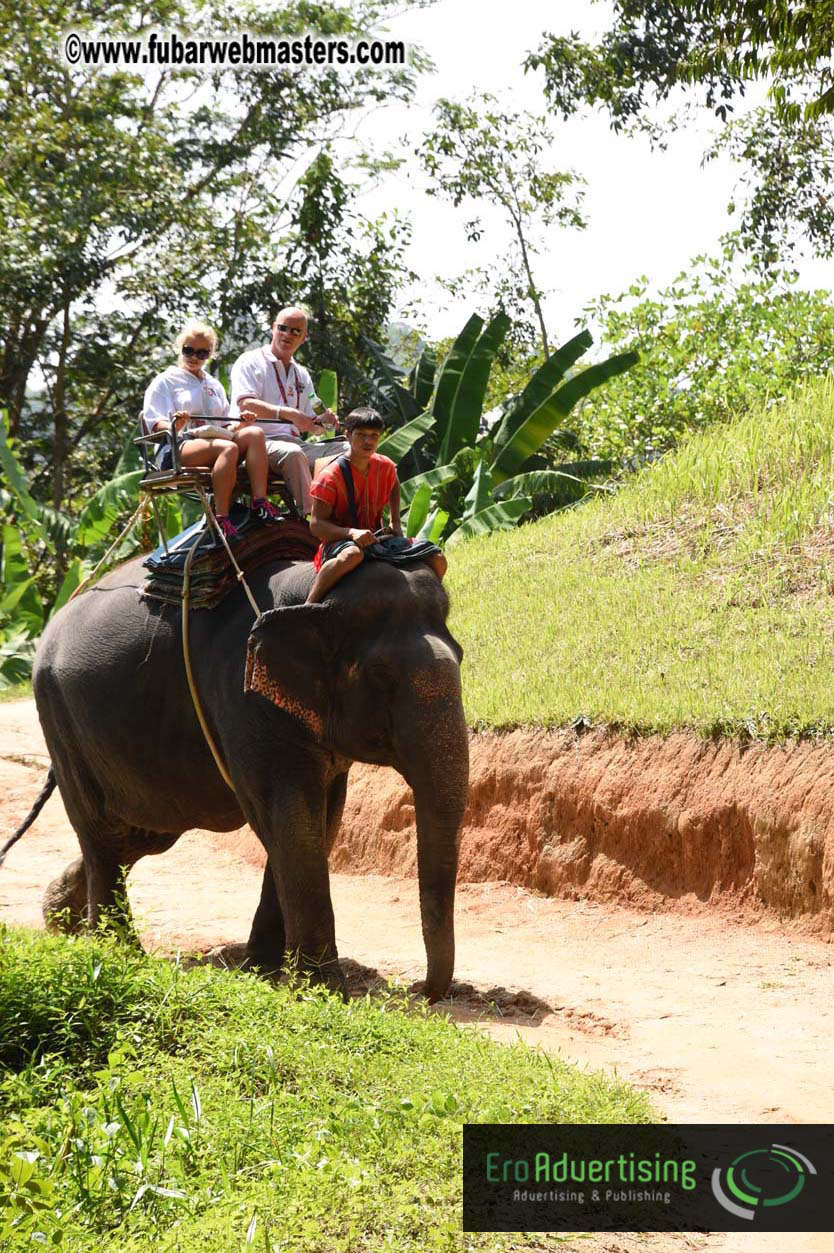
[{"x": 294, "y": 832}]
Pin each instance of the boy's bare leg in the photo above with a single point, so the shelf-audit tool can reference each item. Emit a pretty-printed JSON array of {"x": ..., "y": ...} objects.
[{"x": 333, "y": 570}]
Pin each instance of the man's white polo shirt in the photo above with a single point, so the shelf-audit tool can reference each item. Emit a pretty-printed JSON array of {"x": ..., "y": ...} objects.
[{"x": 259, "y": 373}]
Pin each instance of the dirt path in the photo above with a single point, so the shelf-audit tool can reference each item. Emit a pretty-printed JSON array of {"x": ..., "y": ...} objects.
[{"x": 720, "y": 1023}]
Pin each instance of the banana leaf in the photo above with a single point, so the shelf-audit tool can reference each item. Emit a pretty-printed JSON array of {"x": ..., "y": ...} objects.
[
  {"x": 130, "y": 458},
  {"x": 543, "y": 382},
  {"x": 401, "y": 441},
  {"x": 434, "y": 478},
  {"x": 535, "y": 482},
  {"x": 434, "y": 525},
  {"x": 451, "y": 373},
  {"x": 101, "y": 511},
  {"x": 419, "y": 510},
  {"x": 530, "y": 436},
  {"x": 421, "y": 379},
  {"x": 386, "y": 376},
  {"x": 328, "y": 389},
  {"x": 500, "y": 517},
  {"x": 17, "y": 650},
  {"x": 20, "y": 594},
  {"x": 15, "y": 594},
  {"x": 16, "y": 480},
  {"x": 479, "y": 494},
  {"x": 69, "y": 583},
  {"x": 467, "y": 407}
]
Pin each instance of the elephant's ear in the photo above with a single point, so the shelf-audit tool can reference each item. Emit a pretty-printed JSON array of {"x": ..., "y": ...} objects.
[{"x": 290, "y": 660}]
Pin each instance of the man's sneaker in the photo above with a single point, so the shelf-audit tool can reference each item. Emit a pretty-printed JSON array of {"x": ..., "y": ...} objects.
[
  {"x": 263, "y": 510},
  {"x": 227, "y": 526}
]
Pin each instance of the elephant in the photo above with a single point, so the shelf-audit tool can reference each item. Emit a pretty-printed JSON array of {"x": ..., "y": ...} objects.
[{"x": 292, "y": 699}]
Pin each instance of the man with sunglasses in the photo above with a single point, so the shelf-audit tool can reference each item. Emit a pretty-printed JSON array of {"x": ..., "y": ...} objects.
[{"x": 270, "y": 388}]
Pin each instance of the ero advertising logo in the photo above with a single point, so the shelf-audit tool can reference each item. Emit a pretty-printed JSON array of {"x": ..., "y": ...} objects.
[
  {"x": 648, "y": 1177},
  {"x": 749, "y": 1179}
]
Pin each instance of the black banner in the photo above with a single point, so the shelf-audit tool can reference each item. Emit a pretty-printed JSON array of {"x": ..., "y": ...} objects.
[{"x": 695, "y": 1177}]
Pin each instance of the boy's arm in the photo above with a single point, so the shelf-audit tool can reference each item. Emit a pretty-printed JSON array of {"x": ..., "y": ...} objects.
[{"x": 327, "y": 531}]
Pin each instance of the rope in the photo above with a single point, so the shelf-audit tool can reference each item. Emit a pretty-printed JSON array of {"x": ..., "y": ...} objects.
[
  {"x": 186, "y": 651},
  {"x": 84, "y": 584},
  {"x": 213, "y": 523},
  {"x": 189, "y": 674}
]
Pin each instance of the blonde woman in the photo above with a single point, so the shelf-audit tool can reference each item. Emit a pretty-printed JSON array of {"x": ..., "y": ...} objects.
[{"x": 187, "y": 389}]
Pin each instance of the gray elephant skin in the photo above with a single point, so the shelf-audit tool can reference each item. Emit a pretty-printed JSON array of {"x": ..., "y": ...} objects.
[{"x": 372, "y": 674}]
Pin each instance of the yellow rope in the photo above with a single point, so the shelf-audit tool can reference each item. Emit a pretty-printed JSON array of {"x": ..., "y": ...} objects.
[
  {"x": 189, "y": 674},
  {"x": 213, "y": 523}
]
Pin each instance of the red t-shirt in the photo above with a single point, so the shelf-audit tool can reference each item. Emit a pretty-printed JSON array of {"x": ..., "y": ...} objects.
[{"x": 371, "y": 492}]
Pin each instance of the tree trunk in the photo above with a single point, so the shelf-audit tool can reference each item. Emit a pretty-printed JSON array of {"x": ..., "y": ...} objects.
[
  {"x": 61, "y": 443},
  {"x": 60, "y": 446}
]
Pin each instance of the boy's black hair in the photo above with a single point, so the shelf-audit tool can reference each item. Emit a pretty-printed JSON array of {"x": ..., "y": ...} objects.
[{"x": 365, "y": 417}]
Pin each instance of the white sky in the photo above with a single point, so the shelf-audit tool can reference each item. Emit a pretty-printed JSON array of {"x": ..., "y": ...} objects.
[{"x": 649, "y": 213}]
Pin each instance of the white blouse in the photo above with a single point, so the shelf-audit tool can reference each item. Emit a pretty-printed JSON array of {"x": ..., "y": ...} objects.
[{"x": 177, "y": 390}]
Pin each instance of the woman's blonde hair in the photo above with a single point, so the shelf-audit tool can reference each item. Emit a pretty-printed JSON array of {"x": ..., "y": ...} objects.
[{"x": 193, "y": 328}]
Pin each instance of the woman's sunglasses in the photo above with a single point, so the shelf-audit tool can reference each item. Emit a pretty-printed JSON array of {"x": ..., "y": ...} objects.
[{"x": 200, "y": 353}]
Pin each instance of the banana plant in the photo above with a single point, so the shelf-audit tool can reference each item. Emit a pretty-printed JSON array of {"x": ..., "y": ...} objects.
[
  {"x": 39, "y": 531},
  {"x": 503, "y": 476}
]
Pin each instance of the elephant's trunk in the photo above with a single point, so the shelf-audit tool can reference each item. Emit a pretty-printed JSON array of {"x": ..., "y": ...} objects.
[{"x": 433, "y": 755}]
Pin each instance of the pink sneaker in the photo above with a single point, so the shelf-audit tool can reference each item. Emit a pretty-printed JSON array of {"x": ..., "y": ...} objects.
[
  {"x": 227, "y": 526},
  {"x": 263, "y": 510}
]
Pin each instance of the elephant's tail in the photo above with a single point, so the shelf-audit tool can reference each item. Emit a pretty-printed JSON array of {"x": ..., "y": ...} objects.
[{"x": 45, "y": 793}]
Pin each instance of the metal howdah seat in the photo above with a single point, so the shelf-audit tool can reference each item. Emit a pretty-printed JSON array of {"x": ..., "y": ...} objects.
[{"x": 194, "y": 480}]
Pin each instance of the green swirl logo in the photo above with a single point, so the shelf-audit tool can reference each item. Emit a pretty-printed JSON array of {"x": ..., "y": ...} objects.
[{"x": 762, "y": 1177}]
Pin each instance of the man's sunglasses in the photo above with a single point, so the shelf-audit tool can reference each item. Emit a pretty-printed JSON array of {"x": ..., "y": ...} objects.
[
  {"x": 289, "y": 330},
  {"x": 200, "y": 353}
]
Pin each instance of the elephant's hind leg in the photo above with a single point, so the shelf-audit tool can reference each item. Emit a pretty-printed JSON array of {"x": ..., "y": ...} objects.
[
  {"x": 107, "y": 902},
  {"x": 107, "y": 860},
  {"x": 68, "y": 901},
  {"x": 265, "y": 946},
  {"x": 65, "y": 900}
]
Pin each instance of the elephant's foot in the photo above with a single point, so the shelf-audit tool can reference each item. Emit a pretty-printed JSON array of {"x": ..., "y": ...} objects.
[
  {"x": 326, "y": 972},
  {"x": 432, "y": 993},
  {"x": 266, "y": 961},
  {"x": 65, "y": 900}
]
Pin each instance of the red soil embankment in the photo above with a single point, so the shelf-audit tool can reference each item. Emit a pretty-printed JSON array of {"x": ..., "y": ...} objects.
[{"x": 673, "y": 822}]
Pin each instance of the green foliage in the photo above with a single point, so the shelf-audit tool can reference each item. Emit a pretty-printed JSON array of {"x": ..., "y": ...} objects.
[
  {"x": 149, "y": 1106},
  {"x": 328, "y": 389},
  {"x": 698, "y": 597},
  {"x": 712, "y": 346},
  {"x": 712, "y": 49},
  {"x": 472, "y": 460},
  {"x": 477, "y": 152},
  {"x": 718, "y": 46},
  {"x": 129, "y": 202},
  {"x": 29, "y": 590},
  {"x": 337, "y": 263},
  {"x": 786, "y": 168}
]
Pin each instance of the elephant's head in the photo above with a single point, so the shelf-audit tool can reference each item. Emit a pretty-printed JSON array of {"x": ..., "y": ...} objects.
[{"x": 374, "y": 675}]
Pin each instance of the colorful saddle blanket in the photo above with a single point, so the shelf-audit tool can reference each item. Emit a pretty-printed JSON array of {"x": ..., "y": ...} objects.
[{"x": 212, "y": 575}]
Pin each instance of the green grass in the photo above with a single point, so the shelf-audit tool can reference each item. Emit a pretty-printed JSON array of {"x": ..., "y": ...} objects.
[
  {"x": 699, "y": 596},
  {"x": 144, "y": 1106}
]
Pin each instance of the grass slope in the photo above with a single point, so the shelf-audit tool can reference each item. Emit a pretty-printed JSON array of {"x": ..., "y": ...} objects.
[
  {"x": 144, "y": 1106},
  {"x": 698, "y": 596}
]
